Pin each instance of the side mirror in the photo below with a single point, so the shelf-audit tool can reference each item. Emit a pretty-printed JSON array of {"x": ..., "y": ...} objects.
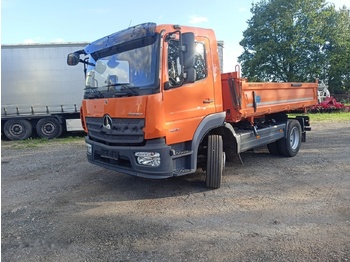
[
  {"x": 190, "y": 76},
  {"x": 188, "y": 49},
  {"x": 73, "y": 59}
]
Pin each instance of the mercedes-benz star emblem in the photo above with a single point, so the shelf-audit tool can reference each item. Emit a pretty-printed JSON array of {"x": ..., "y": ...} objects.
[{"x": 107, "y": 122}]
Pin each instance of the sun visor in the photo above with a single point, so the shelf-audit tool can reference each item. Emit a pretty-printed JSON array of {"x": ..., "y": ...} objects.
[{"x": 129, "y": 34}]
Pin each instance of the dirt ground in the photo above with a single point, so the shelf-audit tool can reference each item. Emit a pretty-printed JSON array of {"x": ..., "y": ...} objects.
[{"x": 57, "y": 207}]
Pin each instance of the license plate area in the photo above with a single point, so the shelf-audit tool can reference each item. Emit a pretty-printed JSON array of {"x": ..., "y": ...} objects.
[{"x": 110, "y": 154}]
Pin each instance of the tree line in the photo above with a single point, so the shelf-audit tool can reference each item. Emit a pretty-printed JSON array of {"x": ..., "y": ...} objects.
[{"x": 298, "y": 40}]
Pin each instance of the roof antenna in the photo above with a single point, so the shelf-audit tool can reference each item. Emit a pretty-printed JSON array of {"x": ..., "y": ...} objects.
[{"x": 130, "y": 23}]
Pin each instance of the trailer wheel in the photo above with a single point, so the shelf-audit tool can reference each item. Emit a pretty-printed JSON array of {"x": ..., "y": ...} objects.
[
  {"x": 49, "y": 128},
  {"x": 18, "y": 129},
  {"x": 290, "y": 145},
  {"x": 215, "y": 161},
  {"x": 273, "y": 148}
]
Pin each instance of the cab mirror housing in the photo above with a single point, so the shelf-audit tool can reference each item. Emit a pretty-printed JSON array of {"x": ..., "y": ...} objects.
[
  {"x": 190, "y": 75},
  {"x": 188, "y": 49},
  {"x": 73, "y": 59}
]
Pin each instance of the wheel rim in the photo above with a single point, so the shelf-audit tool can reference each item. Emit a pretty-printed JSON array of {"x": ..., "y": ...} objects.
[
  {"x": 294, "y": 138},
  {"x": 48, "y": 128},
  {"x": 16, "y": 130}
]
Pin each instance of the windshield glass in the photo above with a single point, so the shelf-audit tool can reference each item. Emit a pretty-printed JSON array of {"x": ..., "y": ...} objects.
[{"x": 128, "y": 69}]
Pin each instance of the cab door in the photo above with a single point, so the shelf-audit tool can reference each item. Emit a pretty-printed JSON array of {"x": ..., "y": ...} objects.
[{"x": 187, "y": 104}]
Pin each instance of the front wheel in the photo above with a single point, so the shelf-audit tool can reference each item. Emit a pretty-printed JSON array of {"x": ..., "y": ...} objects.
[
  {"x": 17, "y": 129},
  {"x": 49, "y": 128},
  {"x": 290, "y": 145},
  {"x": 215, "y": 161}
]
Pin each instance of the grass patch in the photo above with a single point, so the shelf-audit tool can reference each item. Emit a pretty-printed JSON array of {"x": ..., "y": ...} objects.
[
  {"x": 330, "y": 117},
  {"x": 38, "y": 142},
  {"x": 327, "y": 117}
]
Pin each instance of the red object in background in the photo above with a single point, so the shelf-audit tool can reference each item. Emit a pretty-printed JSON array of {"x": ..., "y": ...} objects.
[{"x": 328, "y": 105}]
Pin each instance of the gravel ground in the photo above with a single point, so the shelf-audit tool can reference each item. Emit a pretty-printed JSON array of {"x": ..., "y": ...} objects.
[{"x": 57, "y": 207}]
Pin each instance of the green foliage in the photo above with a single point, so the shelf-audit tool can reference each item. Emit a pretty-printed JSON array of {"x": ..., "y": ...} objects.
[
  {"x": 297, "y": 40},
  {"x": 339, "y": 55}
]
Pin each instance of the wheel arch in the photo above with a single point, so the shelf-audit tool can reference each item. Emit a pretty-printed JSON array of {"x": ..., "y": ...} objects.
[
  {"x": 230, "y": 140},
  {"x": 215, "y": 124},
  {"x": 208, "y": 123}
]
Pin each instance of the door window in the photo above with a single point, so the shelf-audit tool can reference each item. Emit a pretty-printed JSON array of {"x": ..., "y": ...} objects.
[{"x": 174, "y": 66}]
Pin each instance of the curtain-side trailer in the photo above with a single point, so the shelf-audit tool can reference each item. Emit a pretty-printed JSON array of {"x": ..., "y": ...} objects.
[{"x": 39, "y": 92}]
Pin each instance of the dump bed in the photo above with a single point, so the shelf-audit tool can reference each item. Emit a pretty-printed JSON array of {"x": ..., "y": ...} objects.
[{"x": 243, "y": 99}]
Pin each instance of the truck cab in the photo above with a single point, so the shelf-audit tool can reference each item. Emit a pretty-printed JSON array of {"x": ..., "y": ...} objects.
[{"x": 150, "y": 93}]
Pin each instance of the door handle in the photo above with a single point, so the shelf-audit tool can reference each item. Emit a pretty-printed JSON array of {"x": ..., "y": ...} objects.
[{"x": 208, "y": 101}]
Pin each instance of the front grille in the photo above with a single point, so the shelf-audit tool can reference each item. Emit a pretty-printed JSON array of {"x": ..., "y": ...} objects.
[{"x": 122, "y": 131}]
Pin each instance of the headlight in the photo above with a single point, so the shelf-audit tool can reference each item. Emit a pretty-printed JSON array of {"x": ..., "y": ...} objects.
[
  {"x": 148, "y": 158},
  {"x": 88, "y": 149}
]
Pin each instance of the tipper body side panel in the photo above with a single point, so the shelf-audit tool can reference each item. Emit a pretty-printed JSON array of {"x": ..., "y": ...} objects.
[{"x": 244, "y": 99}]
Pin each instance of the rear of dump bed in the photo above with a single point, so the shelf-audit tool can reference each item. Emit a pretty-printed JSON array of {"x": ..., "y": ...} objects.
[{"x": 243, "y": 99}]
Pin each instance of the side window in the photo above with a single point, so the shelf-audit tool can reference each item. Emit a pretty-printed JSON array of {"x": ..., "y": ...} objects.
[
  {"x": 200, "y": 64},
  {"x": 174, "y": 66}
]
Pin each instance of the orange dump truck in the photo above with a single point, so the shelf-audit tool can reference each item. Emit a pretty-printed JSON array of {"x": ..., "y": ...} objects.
[{"x": 156, "y": 105}]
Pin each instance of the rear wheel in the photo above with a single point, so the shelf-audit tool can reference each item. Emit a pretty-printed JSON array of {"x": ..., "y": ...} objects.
[
  {"x": 215, "y": 161},
  {"x": 49, "y": 128},
  {"x": 273, "y": 148},
  {"x": 290, "y": 145},
  {"x": 18, "y": 129}
]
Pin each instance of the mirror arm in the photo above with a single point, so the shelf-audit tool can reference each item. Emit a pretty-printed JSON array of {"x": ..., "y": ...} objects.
[
  {"x": 86, "y": 62},
  {"x": 80, "y": 52}
]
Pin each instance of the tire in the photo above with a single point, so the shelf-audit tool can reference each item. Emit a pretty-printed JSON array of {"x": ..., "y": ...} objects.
[
  {"x": 49, "y": 128},
  {"x": 18, "y": 129},
  {"x": 290, "y": 145},
  {"x": 273, "y": 148},
  {"x": 215, "y": 161}
]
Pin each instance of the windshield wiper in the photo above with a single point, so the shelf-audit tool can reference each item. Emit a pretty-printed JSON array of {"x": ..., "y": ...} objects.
[
  {"x": 124, "y": 88},
  {"x": 92, "y": 93}
]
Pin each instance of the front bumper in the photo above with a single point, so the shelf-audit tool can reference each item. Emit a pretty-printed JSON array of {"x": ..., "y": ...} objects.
[{"x": 122, "y": 158}]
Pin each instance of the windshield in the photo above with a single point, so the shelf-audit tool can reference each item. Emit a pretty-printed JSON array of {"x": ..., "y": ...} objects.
[{"x": 128, "y": 69}]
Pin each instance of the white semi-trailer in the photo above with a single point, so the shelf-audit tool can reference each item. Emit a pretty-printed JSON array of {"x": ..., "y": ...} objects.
[{"x": 39, "y": 92}]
